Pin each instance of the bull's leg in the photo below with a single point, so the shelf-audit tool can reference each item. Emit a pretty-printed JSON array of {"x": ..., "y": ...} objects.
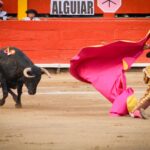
[
  {"x": 4, "y": 91},
  {"x": 19, "y": 91},
  {"x": 13, "y": 95}
]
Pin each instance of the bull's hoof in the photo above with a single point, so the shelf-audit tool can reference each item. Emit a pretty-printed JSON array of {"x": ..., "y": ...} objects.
[
  {"x": 18, "y": 106},
  {"x": 2, "y": 102}
]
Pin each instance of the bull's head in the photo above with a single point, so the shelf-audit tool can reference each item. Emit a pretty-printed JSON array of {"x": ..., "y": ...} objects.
[{"x": 32, "y": 77}]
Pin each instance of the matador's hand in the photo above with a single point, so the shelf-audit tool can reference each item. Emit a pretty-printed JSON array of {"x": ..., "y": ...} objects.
[{"x": 147, "y": 46}]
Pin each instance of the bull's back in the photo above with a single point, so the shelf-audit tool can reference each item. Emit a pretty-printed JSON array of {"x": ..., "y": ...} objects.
[{"x": 12, "y": 62}]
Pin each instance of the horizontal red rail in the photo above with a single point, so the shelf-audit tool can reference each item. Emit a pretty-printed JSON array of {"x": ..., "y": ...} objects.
[{"x": 58, "y": 40}]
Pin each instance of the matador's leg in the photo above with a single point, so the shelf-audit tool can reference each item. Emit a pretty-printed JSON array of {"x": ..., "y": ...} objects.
[{"x": 144, "y": 103}]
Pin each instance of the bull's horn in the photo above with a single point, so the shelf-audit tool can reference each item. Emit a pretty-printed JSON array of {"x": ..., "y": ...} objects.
[
  {"x": 25, "y": 72},
  {"x": 45, "y": 71}
]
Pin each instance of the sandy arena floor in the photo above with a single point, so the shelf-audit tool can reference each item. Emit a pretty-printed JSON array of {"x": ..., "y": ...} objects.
[{"x": 70, "y": 115}]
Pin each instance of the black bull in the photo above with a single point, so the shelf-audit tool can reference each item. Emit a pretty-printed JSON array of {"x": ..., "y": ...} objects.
[{"x": 16, "y": 69}]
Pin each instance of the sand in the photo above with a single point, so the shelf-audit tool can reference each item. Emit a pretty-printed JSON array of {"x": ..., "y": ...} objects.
[{"x": 66, "y": 114}]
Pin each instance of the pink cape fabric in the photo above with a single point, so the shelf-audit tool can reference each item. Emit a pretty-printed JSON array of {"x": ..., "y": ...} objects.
[{"x": 102, "y": 66}]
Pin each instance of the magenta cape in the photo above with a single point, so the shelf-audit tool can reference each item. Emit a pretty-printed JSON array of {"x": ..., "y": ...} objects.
[{"x": 102, "y": 66}]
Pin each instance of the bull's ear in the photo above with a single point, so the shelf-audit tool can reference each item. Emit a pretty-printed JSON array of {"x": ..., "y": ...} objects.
[{"x": 148, "y": 55}]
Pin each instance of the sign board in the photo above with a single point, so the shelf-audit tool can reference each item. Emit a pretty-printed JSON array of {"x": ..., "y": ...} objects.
[
  {"x": 72, "y": 7},
  {"x": 109, "y": 6}
]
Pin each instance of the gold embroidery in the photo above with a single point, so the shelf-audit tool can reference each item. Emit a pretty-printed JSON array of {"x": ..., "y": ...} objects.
[{"x": 125, "y": 65}]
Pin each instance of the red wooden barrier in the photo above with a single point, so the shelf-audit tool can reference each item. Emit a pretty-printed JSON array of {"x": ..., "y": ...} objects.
[
  {"x": 39, "y": 5},
  {"x": 135, "y": 6},
  {"x": 11, "y": 6},
  {"x": 58, "y": 40}
]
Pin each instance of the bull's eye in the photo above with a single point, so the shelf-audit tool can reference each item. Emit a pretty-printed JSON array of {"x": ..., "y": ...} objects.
[{"x": 31, "y": 74}]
